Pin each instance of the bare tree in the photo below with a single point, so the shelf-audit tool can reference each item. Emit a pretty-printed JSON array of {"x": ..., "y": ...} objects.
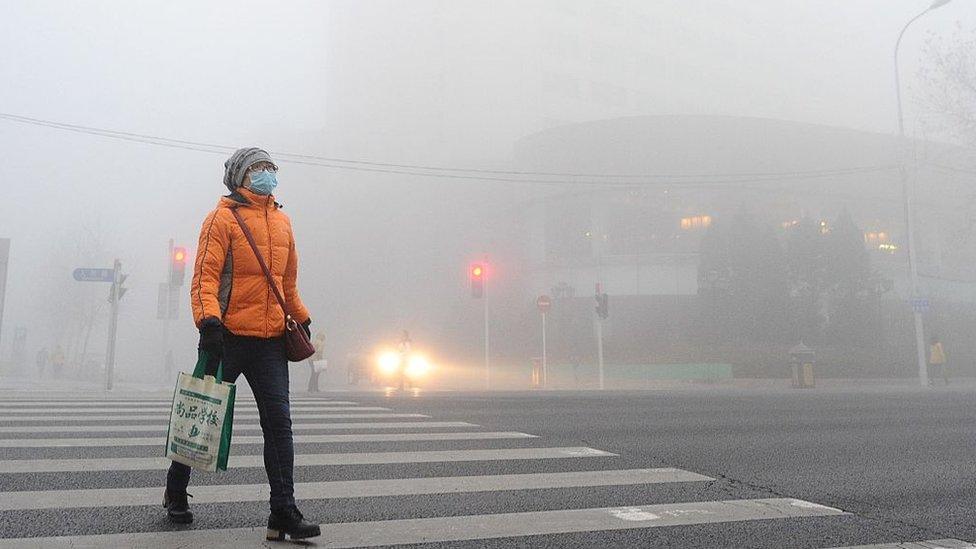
[{"x": 948, "y": 76}]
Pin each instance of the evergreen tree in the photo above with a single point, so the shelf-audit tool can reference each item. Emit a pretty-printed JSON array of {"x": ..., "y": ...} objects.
[
  {"x": 850, "y": 284},
  {"x": 743, "y": 281},
  {"x": 806, "y": 258}
]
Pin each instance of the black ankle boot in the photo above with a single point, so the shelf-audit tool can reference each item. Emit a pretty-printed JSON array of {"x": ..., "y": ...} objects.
[
  {"x": 177, "y": 507},
  {"x": 290, "y": 523}
]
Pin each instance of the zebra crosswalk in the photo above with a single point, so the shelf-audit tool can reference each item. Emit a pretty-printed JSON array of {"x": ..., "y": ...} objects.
[{"x": 412, "y": 467}]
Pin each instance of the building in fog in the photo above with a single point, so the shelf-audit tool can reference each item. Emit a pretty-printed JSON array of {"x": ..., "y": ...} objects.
[{"x": 640, "y": 235}]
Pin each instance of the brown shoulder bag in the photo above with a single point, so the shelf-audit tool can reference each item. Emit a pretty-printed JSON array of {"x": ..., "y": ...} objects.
[{"x": 297, "y": 345}]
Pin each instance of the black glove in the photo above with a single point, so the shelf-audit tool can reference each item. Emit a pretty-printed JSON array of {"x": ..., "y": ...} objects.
[
  {"x": 212, "y": 337},
  {"x": 307, "y": 326}
]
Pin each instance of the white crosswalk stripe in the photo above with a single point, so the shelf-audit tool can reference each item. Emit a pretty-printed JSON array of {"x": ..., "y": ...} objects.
[
  {"x": 51, "y": 425},
  {"x": 8, "y": 405},
  {"x": 164, "y": 418},
  {"x": 243, "y": 427},
  {"x": 164, "y": 410},
  {"x": 55, "y": 499},
  {"x": 237, "y": 461},
  {"x": 299, "y": 439},
  {"x": 468, "y": 527},
  {"x": 927, "y": 544}
]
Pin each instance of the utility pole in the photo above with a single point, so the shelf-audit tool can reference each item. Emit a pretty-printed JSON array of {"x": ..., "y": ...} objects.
[
  {"x": 114, "y": 297},
  {"x": 923, "y": 376},
  {"x": 4, "y": 255},
  {"x": 544, "y": 303}
]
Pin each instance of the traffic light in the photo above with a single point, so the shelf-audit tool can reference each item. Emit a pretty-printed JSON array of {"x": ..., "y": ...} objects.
[
  {"x": 118, "y": 290},
  {"x": 477, "y": 275},
  {"x": 177, "y": 269},
  {"x": 602, "y": 305}
]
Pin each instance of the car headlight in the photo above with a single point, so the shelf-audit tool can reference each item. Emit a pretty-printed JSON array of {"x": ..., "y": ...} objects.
[
  {"x": 418, "y": 366},
  {"x": 389, "y": 362}
]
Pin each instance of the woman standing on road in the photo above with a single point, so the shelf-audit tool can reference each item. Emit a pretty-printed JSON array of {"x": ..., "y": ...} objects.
[{"x": 241, "y": 323}]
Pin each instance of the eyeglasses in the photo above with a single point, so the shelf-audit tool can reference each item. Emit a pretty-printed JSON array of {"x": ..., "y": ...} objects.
[{"x": 262, "y": 166}]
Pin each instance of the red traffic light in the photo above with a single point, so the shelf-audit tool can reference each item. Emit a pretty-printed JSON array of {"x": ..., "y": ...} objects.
[
  {"x": 177, "y": 267},
  {"x": 477, "y": 273}
]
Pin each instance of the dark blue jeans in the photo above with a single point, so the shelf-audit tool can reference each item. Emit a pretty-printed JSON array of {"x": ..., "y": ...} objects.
[{"x": 264, "y": 365}]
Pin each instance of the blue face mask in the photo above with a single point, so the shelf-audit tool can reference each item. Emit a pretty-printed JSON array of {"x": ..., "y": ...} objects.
[{"x": 263, "y": 182}]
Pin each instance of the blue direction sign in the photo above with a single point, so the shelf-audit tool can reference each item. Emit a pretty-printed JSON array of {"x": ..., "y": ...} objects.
[
  {"x": 921, "y": 304},
  {"x": 94, "y": 275}
]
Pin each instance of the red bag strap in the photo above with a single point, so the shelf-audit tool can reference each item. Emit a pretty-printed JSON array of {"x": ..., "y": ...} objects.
[{"x": 264, "y": 266}]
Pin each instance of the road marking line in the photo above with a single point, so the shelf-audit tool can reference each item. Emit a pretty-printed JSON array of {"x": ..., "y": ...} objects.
[
  {"x": 121, "y": 497},
  {"x": 164, "y": 418},
  {"x": 237, "y": 427},
  {"x": 240, "y": 461},
  {"x": 927, "y": 544},
  {"x": 299, "y": 439},
  {"x": 75, "y": 412},
  {"x": 457, "y": 528}
]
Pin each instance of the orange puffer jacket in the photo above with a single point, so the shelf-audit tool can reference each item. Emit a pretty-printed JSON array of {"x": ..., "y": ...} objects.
[{"x": 228, "y": 282}]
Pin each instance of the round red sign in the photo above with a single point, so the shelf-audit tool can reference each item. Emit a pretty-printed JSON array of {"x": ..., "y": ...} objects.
[{"x": 544, "y": 303}]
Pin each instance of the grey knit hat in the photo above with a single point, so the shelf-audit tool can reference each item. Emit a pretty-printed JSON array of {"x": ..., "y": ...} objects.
[{"x": 238, "y": 163}]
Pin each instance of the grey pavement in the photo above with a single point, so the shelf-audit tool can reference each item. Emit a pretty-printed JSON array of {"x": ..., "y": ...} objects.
[{"x": 726, "y": 466}]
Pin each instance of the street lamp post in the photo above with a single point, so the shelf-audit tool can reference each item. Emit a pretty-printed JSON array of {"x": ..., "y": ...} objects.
[{"x": 907, "y": 197}]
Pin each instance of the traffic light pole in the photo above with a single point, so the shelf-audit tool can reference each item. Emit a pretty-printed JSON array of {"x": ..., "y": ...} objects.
[
  {"x": 545, "y": 359},
  {"x": 602, "y": 311},
  {"x": 599, "y": 347},
  {"x": 169, "y": 289},
  {"x": 487, "y": 333},
  {"x": 113, "y": 325}
]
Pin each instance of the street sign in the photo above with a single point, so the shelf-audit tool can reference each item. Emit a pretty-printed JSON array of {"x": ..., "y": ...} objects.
[
  {"x": 920, "y": 304},
  {"x": 94, "y": 275},
  {"x": 544, "y": 303}
]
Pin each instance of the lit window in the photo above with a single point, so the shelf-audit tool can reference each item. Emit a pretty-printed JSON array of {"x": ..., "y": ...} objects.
[
  {"x": 888, "y": 248},
  {"x": 875, "y": 237},
  {"x": 696, "y": 222}
]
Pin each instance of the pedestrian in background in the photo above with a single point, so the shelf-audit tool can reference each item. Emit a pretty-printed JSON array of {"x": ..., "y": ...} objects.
[
  {"x": 243, "y": 326},
  {"x": 57, "y": 361},
  {"x": 315, "y": 363},
  {"x": 937, "y": 359},
  {"x": 41, "y": 360}
]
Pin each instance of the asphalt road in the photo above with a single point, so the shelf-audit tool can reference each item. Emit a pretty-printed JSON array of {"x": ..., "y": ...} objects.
[{"x": 803, "y": 468}]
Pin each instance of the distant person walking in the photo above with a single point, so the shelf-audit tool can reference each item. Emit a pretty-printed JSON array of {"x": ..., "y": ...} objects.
[
  {"x": 937, "y": 359},
  {"x": 41, "y": 360},
  {"x": 57, "y": 361},
  {"x": 315, "y": 364},
  {"x": 241, "y": 323}
]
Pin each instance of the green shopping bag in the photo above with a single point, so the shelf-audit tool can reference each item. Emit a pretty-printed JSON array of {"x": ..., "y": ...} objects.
[{"x": 202, "y": 418}]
